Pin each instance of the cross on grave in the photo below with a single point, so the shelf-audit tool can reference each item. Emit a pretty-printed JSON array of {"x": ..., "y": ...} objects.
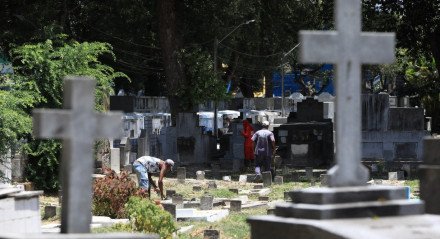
[
  {"x": 347, "y": 47},
  {"x": 78, "y": 125}
]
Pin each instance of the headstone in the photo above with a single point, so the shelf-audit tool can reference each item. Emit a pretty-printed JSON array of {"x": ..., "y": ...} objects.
[
  {"x": 270, "y": 211},
  {"x": 227, "y": 178},
  {"x": 200, "y": 175},
  {"x": 234, "y": 190},
  {"x": 170, "y": 193},
  {"x": 242, "y": 178},
  {"x": 171, "y": 208},
  {"x": 429, "y": 175},
  {"x": 235, "y": 206},
  {"x": 212, "y": 185},
  {"x": 115, "y": 160},
  {"x": 211, "y": 234},
  {"x": 177, "y": 199},
  {"x": 309, "y": 173},
  {"x": 50, "y": 211},
  {"x": 206, "y": 202},
  {"x": 78, "y": 125},
  {"x": 347, "y": 47},
  {"x": 396, "y": 175},
  {"x": 267, "y": 179},
  {"x": 278, "y": 180},
  {"x": 197, "y": 188},
  {"x": 181, "y": 174}
]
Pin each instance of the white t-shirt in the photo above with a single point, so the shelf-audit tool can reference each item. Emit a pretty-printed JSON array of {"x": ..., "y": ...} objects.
[{"x": 150, "y": 163}]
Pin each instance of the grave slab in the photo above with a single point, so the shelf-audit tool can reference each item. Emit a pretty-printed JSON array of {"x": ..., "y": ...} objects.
[
  {"x": 351, "y": 210},
  {"x": 191, "y": 214}
]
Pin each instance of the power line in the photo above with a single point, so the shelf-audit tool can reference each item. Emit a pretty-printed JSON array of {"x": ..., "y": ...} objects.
[
  {"x": 123, "y": 40},
  {"x": 251, "y": 55}
]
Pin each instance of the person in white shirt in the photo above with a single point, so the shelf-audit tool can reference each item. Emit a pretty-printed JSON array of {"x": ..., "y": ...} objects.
[
  {"x": 264, "y": 144},
  {"x": 145, "y": 166}
]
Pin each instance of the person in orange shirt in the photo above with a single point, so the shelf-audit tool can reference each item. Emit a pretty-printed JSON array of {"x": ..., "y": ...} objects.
[{"x": 247, "y": 133}]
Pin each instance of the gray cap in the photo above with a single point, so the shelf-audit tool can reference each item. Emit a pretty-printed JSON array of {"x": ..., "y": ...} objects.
[{"x": 170, "y": 162}]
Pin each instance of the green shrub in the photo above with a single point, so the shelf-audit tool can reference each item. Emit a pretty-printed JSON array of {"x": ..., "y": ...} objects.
[
  {"x": 112, "y": 192},
  {"x": 147, "y": 217}
]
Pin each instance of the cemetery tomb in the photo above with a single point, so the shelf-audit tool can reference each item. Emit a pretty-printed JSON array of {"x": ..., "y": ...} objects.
[
  {"x": 348, "y": 196},
  {"x": 307, "y": 138}
]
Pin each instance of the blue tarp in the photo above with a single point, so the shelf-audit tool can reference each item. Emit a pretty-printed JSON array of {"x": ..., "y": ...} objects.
[{"x": 290, "y": 86}]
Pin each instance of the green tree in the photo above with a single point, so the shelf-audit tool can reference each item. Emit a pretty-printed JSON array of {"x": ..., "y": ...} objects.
[
  {"x": 16, "y": 98},
  {"x": 44, "y": 65}
]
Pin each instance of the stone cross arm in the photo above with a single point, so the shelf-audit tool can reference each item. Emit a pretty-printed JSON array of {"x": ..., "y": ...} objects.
[
  {"x": 328, "y": 47},
  {"x": 51, "y": 123}
]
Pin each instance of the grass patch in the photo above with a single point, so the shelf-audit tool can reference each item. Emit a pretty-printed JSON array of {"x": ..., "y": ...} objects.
[
  {"x": 222, "y": 193},
  {"x": 233, "y": 226},
  {"x": 119, "y": 227}
]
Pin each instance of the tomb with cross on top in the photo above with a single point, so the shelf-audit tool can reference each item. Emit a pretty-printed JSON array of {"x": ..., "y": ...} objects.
[{"x": 348, "y": 196}]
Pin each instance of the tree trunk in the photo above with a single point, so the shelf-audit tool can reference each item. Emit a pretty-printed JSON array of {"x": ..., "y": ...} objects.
[{"x": 170, "y": 44}]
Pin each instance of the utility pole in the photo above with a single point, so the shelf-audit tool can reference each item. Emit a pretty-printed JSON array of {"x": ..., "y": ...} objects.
[{"x": 215, "y": 130}]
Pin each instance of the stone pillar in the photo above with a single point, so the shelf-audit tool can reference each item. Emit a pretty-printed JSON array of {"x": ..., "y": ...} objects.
[
  {"x": 50, "y": 211},
  {"x": 181, "y": 174},
  {"x": 267, "y": 179},
  {"x": 177, "y": 199},
  {"x": 242, "y": 178},
  {"x": 429, "y": 174},
  {"x": 206, "y": 202},
  {"x": 115, "y": 160},
  {"x": 200, "y": 175},
  {"x": 278, "y": 180},
  {"x": 235, "y": 206}
]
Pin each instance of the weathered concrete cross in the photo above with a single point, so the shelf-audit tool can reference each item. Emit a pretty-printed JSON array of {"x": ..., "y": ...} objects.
[
  {"x": 348, "y": 48},
  {"x": 78, "y": 125}
]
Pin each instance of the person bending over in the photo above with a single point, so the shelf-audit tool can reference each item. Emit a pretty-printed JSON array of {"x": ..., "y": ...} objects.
[{"x": 145, "y": 166}]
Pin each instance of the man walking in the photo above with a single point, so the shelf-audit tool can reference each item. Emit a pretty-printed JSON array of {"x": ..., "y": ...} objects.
[
  {"x": 147, "y": 165},
  {"x": 264, "y": 144}
]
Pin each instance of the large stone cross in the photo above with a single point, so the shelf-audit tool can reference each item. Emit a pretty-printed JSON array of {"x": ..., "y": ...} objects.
[
  {"x": 347, "y": 47},
  {"x": 78, "y": 125}
]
